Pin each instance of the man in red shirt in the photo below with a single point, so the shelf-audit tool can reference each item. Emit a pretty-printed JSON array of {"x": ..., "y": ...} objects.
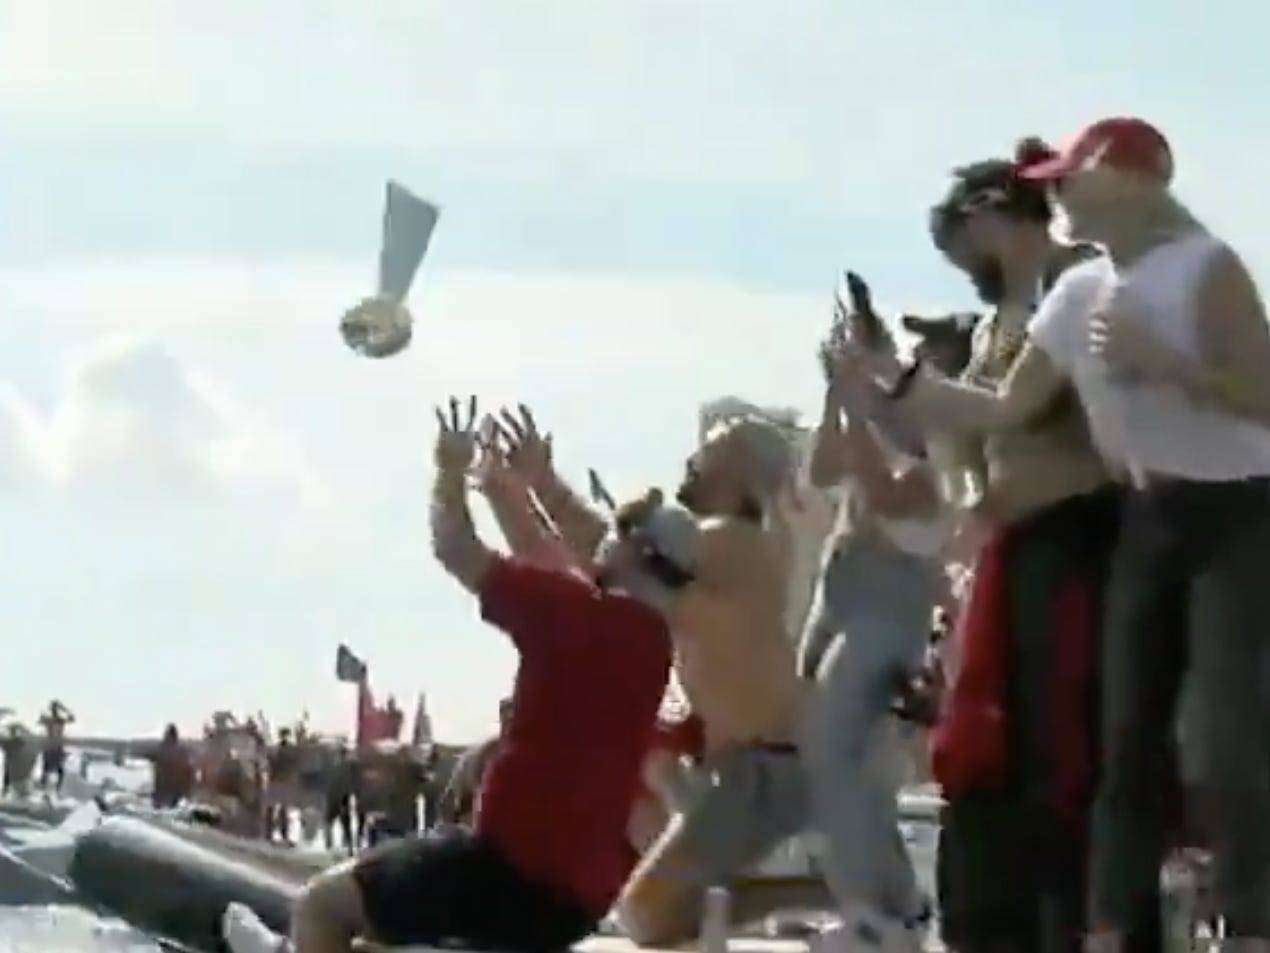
[{"x": 549, "y": 853}]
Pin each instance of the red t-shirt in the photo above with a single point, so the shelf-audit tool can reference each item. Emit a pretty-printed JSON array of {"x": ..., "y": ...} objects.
[{"x": 593, "y": 666}]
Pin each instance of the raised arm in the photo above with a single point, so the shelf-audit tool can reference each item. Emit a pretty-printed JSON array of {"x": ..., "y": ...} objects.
[
  {"x": 937, "y": 403},
  {"x": 854, "y": 452},
  {"x": 828, "y": 453},
  {"x": 511, "y": 501},
  {"x": 530, "y": 536},
  {"x": 529, "y": 453},
  {"x": 454, "y": 539}
]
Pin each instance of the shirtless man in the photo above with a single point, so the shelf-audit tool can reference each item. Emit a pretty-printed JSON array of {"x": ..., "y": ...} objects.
[
  {"x": 283, "y": 766},
  {"x": 734, "y": 659},
  {"x": 54, "y": 722}
]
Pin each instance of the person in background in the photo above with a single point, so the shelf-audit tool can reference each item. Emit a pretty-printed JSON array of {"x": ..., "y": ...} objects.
[
  {"x": 173, "y": 770},
  {"x": 280, "y": 796},
  {"x": 19, "y": 760},
  {"x": 343, "y": 782},
  {"x": 54, "y": 723},
  {"x": 434, "y": 785},
  {"x": 595, "y": 657},
  {"x": 406, "y": 784}
]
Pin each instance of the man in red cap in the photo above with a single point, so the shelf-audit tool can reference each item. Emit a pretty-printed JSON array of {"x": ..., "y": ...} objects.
[
  {"x": 1121, "y": 142},
  {"x": 1167, "y": 343}
]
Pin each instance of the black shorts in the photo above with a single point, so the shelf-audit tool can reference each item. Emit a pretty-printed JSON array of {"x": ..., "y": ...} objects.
[{"x": 457, "y": 889}]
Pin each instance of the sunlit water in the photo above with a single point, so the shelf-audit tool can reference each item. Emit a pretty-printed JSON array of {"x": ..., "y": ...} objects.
[{"x": 69, "y": 929}]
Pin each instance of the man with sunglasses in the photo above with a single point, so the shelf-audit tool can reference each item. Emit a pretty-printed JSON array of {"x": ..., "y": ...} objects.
[
  {"x": 1013, "y": 748},
  {"x": 548, "y": 853},
  {"x": 1167, "y": 344}
]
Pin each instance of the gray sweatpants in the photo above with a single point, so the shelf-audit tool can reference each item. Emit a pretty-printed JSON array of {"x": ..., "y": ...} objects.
[
  {"x": 741, "y": 804},
  {"x": 875, "y": 602}
]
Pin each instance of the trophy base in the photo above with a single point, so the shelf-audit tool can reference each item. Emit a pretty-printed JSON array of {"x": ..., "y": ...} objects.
[{"x": 377, "y": 327}]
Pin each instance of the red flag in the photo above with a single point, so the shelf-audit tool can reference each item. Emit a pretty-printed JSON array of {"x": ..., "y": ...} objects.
[{"x": 375, "y": 723}]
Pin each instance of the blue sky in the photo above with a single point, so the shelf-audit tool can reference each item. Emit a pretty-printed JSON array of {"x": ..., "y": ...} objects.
[{"x": 645, "y": 206}]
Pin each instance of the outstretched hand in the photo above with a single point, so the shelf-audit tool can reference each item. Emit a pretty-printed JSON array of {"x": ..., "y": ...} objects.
[
  {"x": 456, "y": 439},
  {"x": 491, "y": 464},
  {"x": 528, "y": 452}
]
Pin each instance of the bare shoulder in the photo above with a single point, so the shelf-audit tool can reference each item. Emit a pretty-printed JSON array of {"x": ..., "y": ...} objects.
[
  {"x": 729, "y": 531},
  {"x": 731, "y": 548}
]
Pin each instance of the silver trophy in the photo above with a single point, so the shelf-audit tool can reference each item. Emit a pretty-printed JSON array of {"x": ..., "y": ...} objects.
[{"x": 380, "y": 326}]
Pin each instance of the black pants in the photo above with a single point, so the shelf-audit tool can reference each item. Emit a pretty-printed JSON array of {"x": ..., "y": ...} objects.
[
  {"x": 340, "y": 811},
  {"x": 1189, "y": 601},
  {"x": 53, "y": 763},
  {"x": 1012, "y": 867},
  {"x": 456, "y": 888}
]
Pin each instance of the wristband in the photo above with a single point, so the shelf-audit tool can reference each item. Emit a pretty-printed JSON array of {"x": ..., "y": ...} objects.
[{"x": 905, "y": 380}]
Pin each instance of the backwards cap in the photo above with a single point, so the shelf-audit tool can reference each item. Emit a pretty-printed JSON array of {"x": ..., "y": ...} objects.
[{"x": 1121, "y": 142}]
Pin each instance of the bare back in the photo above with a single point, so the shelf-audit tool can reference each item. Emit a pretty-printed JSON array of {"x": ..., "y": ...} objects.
[{"x": 735, "y": 659}]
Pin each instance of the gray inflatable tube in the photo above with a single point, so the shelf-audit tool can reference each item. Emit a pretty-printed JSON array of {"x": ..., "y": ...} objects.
[{"x": 170, "y": 887}]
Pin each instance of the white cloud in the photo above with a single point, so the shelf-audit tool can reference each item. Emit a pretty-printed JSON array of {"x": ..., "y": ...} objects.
[{"x": 130, "y": 419}]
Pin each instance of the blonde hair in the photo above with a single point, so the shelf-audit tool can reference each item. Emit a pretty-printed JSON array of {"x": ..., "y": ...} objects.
[{"x": 769, "y": 457}]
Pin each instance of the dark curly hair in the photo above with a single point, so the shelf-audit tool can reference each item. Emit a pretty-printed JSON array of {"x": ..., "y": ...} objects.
[{"x": 995, "y": 184}]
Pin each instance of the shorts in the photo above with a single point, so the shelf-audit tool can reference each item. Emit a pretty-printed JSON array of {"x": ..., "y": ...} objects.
[
  {"x": 750, "y": 799},
  {"x": 54, "y": 760},
  {"x": 282, "y": 792},
  {"x": 458, "y": 888}
]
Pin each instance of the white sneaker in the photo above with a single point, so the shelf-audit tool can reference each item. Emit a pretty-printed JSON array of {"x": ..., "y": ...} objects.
[{"x": 244, "y": 932}]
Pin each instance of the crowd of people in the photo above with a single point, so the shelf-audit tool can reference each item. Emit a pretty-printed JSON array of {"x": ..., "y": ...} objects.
[
  {"x": 287, "y": 790},
  {"x": 355, "y": 796},
  {"x": 23, "y": 750},
  {"x": 1080, "y": 478}
]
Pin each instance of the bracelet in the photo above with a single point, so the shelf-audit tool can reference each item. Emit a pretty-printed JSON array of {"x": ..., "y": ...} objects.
[{"x": 905, "y": 380}]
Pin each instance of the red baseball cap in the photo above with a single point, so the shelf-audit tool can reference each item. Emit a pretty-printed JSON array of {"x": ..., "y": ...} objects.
[{"x": 1121, "y": 142}]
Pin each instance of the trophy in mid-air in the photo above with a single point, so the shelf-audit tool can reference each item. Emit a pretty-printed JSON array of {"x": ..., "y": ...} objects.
[{"x": 380, "y": 326}]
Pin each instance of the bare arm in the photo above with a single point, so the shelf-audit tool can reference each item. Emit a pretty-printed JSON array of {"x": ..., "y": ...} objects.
[
  {"x": 828, "y": 454},
  {"x": 454, "y": 539},
  {"x": 1032, "y": 385},
  {"x": 530, "y": 454},
  {"x": 581, "y": 527},
  {"x": 513, "y": 508},
  {"x": 1236, "y": 338}
]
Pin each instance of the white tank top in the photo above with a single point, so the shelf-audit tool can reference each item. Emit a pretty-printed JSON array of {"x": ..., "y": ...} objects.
[{"x": 1152, "y": 428}]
